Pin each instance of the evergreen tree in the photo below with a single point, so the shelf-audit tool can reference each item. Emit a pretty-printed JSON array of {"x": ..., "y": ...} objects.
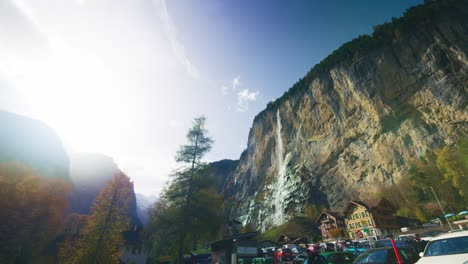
[
  {"x": 101, "y": 238},
  {"x": 190, "y": 155},
  {"x": 189, "y": 210}
]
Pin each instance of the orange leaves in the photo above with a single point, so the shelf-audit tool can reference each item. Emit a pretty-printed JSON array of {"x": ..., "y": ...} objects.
[
  {"x": 31, "y": 207},
  {"x": 97, "y": 238}
]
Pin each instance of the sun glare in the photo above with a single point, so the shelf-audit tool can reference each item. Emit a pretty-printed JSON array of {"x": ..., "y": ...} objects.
[{"x": 72, "y": 91}]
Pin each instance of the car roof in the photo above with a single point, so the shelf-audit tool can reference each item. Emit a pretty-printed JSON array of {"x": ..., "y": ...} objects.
[
  {"x": 451, "y": 235},
  {"x": 335, "y": 253},
  {"x": 386, "y": 248}
]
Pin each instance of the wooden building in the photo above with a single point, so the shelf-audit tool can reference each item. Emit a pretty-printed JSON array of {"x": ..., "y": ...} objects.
[
  {"x": 331, "y": 220},
  {"x": 370, "y": 218}
]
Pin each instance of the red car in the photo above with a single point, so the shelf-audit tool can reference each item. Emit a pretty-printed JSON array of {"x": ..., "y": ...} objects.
[{"x": 285, "y": 254}]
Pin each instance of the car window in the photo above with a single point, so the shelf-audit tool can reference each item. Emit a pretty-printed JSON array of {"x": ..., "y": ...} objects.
[
  {"x": 456, "y": 245},
  {"x": 333, "y": 259},
  {"x": 378, "y": 257},
  {"x": 348, "y": 257},
  {"x": 362, "y": 258},
  {"x": 340, "y": 258}
]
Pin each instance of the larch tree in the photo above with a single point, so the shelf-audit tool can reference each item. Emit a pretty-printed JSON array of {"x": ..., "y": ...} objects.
[
  {"x": 101, "y": 238},
  {"x": 190, "y": 209},
  {"x": 199, "y": 143}
]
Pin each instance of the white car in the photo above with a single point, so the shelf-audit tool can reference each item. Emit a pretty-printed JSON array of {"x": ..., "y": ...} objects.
[{"x": 447, "y": 248}]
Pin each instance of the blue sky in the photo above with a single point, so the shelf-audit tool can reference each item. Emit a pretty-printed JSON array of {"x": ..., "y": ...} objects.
[{"x": 125, "y": 78}]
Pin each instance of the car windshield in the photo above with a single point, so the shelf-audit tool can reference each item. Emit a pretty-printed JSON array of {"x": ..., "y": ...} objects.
[
  {"x": 456, "y": 245},
  {"x": 361, "y": 258}
]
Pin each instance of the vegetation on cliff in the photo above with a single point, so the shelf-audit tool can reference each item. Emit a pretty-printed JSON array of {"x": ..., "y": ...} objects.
[
  {"x": 415, "y": 18},
  {"x": 445, "y": 170}
]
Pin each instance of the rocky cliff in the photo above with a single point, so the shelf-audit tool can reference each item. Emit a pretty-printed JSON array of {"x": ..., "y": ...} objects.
[{"x": 358, "y": 118}]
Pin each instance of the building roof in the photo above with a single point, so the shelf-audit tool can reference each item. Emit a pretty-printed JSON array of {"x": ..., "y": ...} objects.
[
  {"x": 247, "y": 236},
  {"x": 368, "y": 204},
  {"x": 291, "y": 239},
  {"x": 335, "y": 215}
]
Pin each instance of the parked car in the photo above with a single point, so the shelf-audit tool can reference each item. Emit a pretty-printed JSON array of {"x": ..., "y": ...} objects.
[
  {"x": 315, "y": 248},
  {"x": 290, "y": 246},
  {"x": 405, "y": 237},
  {"x": 339, "y": 257},
  {"x": 270, "y": 251},
  {"x": 285, "y": 254},
  {"x": 388, "y": 243},
  {"x": 327, "y": 247},
  {"x": 357, "y": 247},
  {"x": 387, "y": 255},
  {"x": 300, "y": 259},
  {"x": 447, "y": 248}
]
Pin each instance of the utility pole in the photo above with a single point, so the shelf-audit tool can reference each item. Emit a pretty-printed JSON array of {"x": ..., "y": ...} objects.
[{"x": 441, "y": 208}]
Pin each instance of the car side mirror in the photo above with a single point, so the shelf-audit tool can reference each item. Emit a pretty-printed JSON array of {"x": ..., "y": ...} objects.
[{"x": 421, "y": 254}]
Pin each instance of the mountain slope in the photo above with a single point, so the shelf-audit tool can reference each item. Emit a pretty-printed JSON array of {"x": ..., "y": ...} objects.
[
  {"x": 357, "y": 119},
  {"x": 89, "y": 173},
  {"x": 32, "y": 143}
]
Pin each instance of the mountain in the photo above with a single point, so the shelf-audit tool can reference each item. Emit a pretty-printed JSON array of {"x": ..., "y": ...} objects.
[
  {"x": 89, "y": 173},
  {"x": 223, "y": 171},
  {"x": 144, "y": 203},
  {"x": 32, "y": 143},
  {"x": 357, "y": 119}
]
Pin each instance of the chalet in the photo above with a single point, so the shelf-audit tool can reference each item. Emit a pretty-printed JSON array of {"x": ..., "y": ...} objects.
[
  {"x": 331, "y": 220},
  {"x": 370, "y": 218}
]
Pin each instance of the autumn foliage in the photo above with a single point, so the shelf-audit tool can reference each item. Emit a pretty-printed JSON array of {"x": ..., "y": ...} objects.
[
  {"x": 100, "y": 239},
  {"x": 32, "y": 208}
]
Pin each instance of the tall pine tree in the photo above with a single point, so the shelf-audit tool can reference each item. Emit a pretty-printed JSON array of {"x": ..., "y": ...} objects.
[
  {"x": 189, "y": 209},
  {"x": 190, "y": 155}
]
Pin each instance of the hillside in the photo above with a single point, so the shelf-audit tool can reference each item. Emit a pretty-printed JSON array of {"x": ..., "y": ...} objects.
[
  {"x": 32, "y": 143},
  {"x": 358, "y": 118}
]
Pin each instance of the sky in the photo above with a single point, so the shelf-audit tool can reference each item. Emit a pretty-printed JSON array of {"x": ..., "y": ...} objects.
[{"x": 125, "y": 78}]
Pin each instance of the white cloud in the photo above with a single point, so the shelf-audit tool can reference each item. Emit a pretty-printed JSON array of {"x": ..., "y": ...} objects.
[
  {"x": 177, "y": 47},
  {"x": 243, "y": 99},
  {"x": 236, "y": 83}
]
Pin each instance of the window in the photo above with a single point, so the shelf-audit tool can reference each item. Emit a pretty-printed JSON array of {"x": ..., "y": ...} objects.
[{"x": 456, "y": 245}]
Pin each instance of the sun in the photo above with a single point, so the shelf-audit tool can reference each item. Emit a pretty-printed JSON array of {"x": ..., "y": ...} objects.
[{"x": 72, "y": 91}]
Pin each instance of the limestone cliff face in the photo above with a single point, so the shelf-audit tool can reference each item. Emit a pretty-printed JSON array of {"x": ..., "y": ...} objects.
[{"x": 358, "y": 124}]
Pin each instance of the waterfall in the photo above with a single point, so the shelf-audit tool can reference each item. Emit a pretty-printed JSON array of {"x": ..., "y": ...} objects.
[{"x": 278, "y": 197}]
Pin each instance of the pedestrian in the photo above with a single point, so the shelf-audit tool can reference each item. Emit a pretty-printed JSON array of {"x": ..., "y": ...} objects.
[{"x": 419, "y": 244}]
